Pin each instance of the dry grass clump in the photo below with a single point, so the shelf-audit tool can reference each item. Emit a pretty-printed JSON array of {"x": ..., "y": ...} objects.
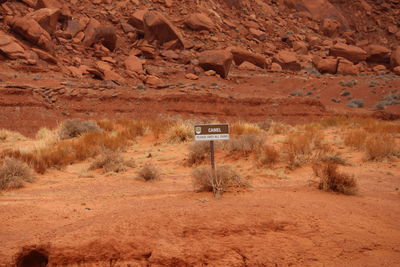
[
  {"x": 14, "y": 173},
  {"x": 180, "y": 132},
  {"x": 10, "y": 136},
  {"x": 279, "y": 128},
  {"x": 380, "y": 147},
  {"x": 149, "y": 173},
  {"x": 334, "y": 158},
  {"x": 76, "y": 127},
  {"x": 225, "y": 178},
  {"x": 303, "y": 147},
  {"x": 332, "y": 180},
  {"x": 110, "y": 161},
  {"x": 245, "y": 144},
  {"x": 268, "y": 156},
  {"x": 244, "y": 128},
  {"x": 198, "y": 152},
  {"x": 355, "y": 138}
]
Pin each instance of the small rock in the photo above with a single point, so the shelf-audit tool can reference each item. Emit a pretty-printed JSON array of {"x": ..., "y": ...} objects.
[{"x": 191, "y": 76}]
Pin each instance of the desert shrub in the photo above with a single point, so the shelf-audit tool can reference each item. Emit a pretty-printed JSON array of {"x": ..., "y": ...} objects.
[
  {"x": 279, "y": 128},
  {"x": 131, "y": 128},
  {"x": 107, "y": 125},
  {"x": 14, "y": 173},
  {"x": 149, "y": 173},
  {"x": 245, "y": 144},
  {"x": 159, "y": 126},
  {"x": 225, "y": 178},
  {"x": 332, "y": 180},
  {"x": 334, "y": 158},
  {"x": 6, "y": 135},
  {"x": 380, "y": 147},
  {"x": 302, "y": 147},
  {"x": 198, "y": 152},
  {"x": 76, "y": 127},
  {"x": 244, "y": 128},
  {"x": 356, "y": 103},
  {"x": 268, "y": 156},
  {"x": 181, "y": 132},
  {"x": 109, "y": 161},
  {"x": 265, "y": 125},
  {"x": 355, "y": 138}
]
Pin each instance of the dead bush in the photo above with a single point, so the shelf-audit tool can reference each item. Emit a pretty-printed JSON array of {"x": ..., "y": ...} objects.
[
  {"x": 303, "y": 147},
  {"x": 332, "y": 180},
  {"x": 149, "y": 173},
  {"x": 198, "y": 152},
  {"x": 110, "y": 161},
  {"x": 181, "y": 132},
  {"x": 268, "y": 156},
  {"x": 279, "y": 128},
  {"x": 225, "y": 178},
  {"x": 14, "y": 173},
  {"x": 355, "y": 138},
  {"x": 76, "y": 127},
  {"x": 245, "y": 144},
  {"x": 334, "y": 158},
  {"x": 244, "y": 128},
  {"x": 380, "y": 147},
  {"x": 10, "y": 136}
]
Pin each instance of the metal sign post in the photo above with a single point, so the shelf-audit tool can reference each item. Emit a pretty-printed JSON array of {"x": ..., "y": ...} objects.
[{"x": 212, "y": 132}]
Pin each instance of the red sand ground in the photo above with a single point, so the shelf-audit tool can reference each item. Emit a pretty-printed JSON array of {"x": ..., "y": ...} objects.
[{"x": 91, "y": 219}]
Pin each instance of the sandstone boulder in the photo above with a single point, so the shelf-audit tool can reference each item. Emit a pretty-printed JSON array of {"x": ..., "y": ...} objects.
[
  {"x": 30, "y": 30},
  {"x": 276, "y": 67},
  {"x": 10, "y": 48},
  {"x": 346, "y": 67},
  {"x": 395, "y": 58},
  {"x": 326, "y": 65},
  {"x": 378, "y": 53},
  {"x": 136, "y": 20},
  {"x": 287, "y": 60},
  {"x": 330, "y": 27},
  {"x": 240, "y": 55},
  {"x": 318, "y": 9},
  {"x": 397, "y": 70},
  {"x": 159, "y": 28},
  {"x": 350, "y": 52},
  {"x": 45, "y": 56},
  {"x": 218, "y": 60},
  {"x": 47, "y": 18},
  {"x": 133, "y": 63},
  {"x": 198, "y": 22},
  {"x": 248, "y": 66},
  {"x": 95, "y": 33},
  {"x": 65, "y": 12}
]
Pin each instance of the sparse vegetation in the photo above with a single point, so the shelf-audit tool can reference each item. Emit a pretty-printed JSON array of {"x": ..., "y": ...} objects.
[
  {"x": 243, "y": 128},
  {"x": 333, "y": 180},
  {"x": 14, "y": 174},
  {"x": 225, "y": 178},
  {"x": 355, "y": 138},
  {"x": 76, "y": 127},
  {"x": 356, "y": 103},
  {"x": 110, "y": 161},
  {"x": 149, "y": 172},
  {"x": 380, "y": 147},
  {"x": 268, "y": 156},
  {"x": 181, "y": 132},
  {"x": 245, "y": 144},
  {"x": 10, "y": 136},
  {"x": 198, "y": 152}
]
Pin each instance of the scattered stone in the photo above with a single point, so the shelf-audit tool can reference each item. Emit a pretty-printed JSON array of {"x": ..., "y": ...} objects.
[
  {"x": 397, "y": 70},
  {"x": 218, "y": 60},
  {"x": 45, "y": 56},
  {"x": 378, "y": 53},
  {"x": 136, "y": 20},
  {"x": 330, "y": 27},
  {"x": 395, "y": 58},
  {"x": 346, "y": 67},
  {"x": 379, "y": 69},
  {"x": 30, "y": 30},
  {"x": 10, "y": 47},
  {"x": 276, "y": 67},
  {"x": 240, "y": 55},
  {"x": 133, "y": 63},
  {"x": 287, "y": 60},
  {"x": 210, "y": 73},
  {"x": 326, "y": 65},
  {"x": 191, "y": 76},
  {"x": 350, "y": 52},
  {"x": 248, "y": 66},
  {"x": 153, "y": 80},
  {"x": 157, "y": 27},
  {"x": 199, "y": 22}
]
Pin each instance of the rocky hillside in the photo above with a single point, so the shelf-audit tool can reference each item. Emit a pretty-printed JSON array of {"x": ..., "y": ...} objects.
[{"x": 115, "y": 40}]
